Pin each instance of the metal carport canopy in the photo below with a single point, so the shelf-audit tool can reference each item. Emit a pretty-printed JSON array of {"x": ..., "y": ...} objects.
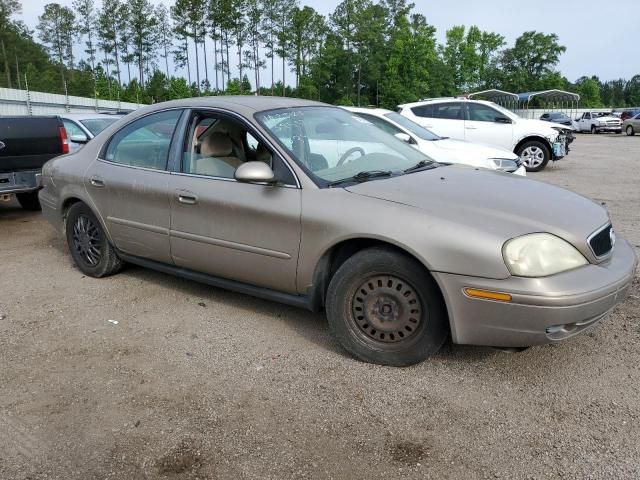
[
  {"x": 495, "y": 95},
  {"x": 549, "y": 96}
]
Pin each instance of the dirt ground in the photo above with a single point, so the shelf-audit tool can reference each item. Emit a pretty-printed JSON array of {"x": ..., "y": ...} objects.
[{"x": 194, "y": 382}]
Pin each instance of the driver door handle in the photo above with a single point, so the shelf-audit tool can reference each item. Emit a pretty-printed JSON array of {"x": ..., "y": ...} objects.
[
  {"x": 471, "y": 128},
  {"x": 187, "y": 198}
]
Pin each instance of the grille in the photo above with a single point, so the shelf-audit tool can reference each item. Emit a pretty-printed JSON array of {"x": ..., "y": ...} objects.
[
  {"x": 613, "y": 122},
  {"x": 602, "y": 242}
]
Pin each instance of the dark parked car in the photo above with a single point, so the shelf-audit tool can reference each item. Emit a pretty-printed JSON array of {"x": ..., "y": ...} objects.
[
  {"x": 26, "y": 144},
  {"x": 558, "y": 117}
]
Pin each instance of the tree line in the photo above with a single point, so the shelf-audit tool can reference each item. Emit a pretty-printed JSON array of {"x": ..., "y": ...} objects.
[{"x": 364, "y": 53}]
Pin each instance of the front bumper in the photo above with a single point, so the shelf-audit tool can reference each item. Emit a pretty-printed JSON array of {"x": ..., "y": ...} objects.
[
  {"x": 609, "y": 128},
  {"x": 542, "y": 310}
]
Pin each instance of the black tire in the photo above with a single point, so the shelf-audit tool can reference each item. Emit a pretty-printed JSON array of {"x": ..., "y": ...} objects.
[
  {"x": 594, "y": 130},
  {"x": 534, "y": 146},
  {"x": 29, "y": 201},
  {"x": 381, "y": 289},
  {"x": 630, "y": 131},
  {"x": 90, "y": 248}
]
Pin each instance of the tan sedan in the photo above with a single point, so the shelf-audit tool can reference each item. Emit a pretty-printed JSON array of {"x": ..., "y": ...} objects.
[
  {"x": 311, "y": 205},
  {"x": 632, "y": 125}
]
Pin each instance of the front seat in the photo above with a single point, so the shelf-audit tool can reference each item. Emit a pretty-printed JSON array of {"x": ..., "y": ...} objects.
[{"x": 216, "y": 157}]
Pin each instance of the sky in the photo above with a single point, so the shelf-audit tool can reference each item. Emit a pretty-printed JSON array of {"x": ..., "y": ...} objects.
[{"x": 608, "y": 49}]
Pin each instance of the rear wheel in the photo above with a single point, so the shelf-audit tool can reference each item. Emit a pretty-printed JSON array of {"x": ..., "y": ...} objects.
[
  {"x": 88, "y": 244},
  {"x": 29, "y": 200},
  {"x": 630, "y": 131},
  {"x": 384, "y": 307},
  {"x": 535, "y": 155}
]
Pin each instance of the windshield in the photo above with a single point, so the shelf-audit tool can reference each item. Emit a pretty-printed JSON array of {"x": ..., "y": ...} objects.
[
  {"x": 413, "y": 127},
  {"x": 333, "y": 144},
  {"x": 96, "y": 125}
]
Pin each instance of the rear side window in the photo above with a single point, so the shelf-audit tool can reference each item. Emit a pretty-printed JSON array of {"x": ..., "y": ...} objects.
[
  {"x": 144, "y": 142},
  {"x": 448, "y": 111},
  {"x": 423, "y": 111}
]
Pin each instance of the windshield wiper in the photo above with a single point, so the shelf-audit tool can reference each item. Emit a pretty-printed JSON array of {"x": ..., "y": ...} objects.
[
  {"x": 422, "y": 165},
  {"x": 362, "y": 177}
]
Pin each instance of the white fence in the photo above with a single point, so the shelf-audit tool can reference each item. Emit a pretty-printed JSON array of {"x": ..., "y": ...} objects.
[{"x": 25, "y": 102}]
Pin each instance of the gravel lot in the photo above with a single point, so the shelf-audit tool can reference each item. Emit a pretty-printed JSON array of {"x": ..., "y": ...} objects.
[{"x": 194, "y": 382}]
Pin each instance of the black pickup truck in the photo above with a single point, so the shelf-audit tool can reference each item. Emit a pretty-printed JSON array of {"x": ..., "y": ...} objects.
[{"x": 26, "y": 144}]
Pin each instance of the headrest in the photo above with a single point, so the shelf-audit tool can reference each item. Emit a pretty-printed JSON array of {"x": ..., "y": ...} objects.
[{"x": 216, "y": 144}]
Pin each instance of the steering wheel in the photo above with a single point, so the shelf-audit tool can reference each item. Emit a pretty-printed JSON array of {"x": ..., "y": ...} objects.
[{"x": 348, "y": 153}]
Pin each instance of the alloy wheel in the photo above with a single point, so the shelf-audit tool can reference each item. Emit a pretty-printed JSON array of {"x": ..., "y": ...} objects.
[
  {"x": 87, "y": 240},
  {"x": 532, "y": 156}
]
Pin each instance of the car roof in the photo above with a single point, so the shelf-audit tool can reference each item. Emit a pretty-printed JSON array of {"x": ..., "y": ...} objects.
[{"x": 245, "y": 105}]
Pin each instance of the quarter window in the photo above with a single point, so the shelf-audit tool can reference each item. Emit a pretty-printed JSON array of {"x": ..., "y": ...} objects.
[
  {"x": 425, "y": 111},
  {"x": 144, "y": 142}
]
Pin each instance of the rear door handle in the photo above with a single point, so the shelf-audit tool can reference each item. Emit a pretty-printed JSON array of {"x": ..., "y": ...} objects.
[
  {"x": 97, "y": 182},
  {"x": 187, "y": 198}
]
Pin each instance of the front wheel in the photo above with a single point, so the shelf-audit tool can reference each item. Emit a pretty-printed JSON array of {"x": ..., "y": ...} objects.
[
  {"x": 89, "y": 246},
  {"x": 384, "y": 307},
  {"x": 29, "y": 201},
  {"x": 535, "y": 155},
  {"x": 594, "y": 130},
  {"x": 630, "y": 131}
]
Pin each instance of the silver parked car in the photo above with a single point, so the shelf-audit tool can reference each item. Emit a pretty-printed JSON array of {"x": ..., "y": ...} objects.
[
  {"x": 311, "y": 205},
  {"x": 82, "y": 127}
]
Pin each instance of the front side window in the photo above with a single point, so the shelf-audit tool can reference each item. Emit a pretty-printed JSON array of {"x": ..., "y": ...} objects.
[
  {"x": 333, "y": 144},
  {"x": 216, "y": 145},
  {"x": 411, "y": 126},
  {"x": 482, "y": 113},
  {"x": 144, "y": 142}
]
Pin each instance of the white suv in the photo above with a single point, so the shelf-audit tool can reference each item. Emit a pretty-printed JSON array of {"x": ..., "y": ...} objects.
[{"x": 535, "y": 141}]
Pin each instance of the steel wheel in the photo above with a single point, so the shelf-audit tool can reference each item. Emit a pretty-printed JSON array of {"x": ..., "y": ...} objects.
[
  {"x": 386, "y": 309},
  {"x": 532, "y": 156},
  {"x": 87, "y": 240}
]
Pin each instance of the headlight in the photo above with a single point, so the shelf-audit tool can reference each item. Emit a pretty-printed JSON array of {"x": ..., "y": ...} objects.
[
  {"x": 540, "y": 254},
  {"x": 601, "y": 122},
  {"x": 503, "y": 164}
]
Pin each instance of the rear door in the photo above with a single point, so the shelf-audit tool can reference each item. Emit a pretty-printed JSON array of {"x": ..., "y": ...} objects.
[
  {"x": 129, "y": 183},
  {"x": 445, "y": 119},
  {"x": 239, "y": 231},
  {"x": 482, "y": 126}
]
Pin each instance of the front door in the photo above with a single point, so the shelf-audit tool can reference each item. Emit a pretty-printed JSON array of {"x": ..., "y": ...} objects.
[
  {"x": 239, "y": 231},
  {"x": 488, "y": 126},
  {"x": 130, "y": 186}
]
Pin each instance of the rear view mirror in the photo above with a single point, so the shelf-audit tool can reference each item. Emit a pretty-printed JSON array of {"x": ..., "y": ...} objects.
[
  {"x": 78, "y": 139},
  {"x": 254, "y": 172},
  {"x": 403, "y": 136}
]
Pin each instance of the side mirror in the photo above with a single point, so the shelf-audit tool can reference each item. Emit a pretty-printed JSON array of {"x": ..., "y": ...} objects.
[
  {"x": 254, "y": 172},
  {"x": 502, "y": 120},
  {"x": 403, "y": 136},
  {"x": 78, "y": 139}
]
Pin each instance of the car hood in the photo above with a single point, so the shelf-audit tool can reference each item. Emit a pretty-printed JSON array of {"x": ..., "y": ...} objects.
[
  {"x": 460, "y": 150},
  {"x": 541, "y": 125},
  {"x": 494, "y": 204}
]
